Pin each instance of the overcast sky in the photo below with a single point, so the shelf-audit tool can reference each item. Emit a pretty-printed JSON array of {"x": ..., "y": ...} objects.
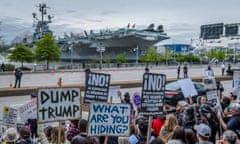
[{"x": 181, "y": 18}]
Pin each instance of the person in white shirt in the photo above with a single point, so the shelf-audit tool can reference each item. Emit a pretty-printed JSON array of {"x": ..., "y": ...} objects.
[{"x": 223, "y": 68}]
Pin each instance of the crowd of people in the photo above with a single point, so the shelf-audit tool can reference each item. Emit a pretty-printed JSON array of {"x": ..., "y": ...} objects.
[{"x": 189, "y": 122}]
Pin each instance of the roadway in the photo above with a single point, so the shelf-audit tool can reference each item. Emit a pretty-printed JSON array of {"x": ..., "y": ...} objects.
[{"x": 78, "y": 77}]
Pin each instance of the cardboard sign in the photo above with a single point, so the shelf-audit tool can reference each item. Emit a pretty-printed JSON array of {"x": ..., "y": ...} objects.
[
  {"x": 137, "y": 99},
  {"x": 109, "y": 119},
  {"x": 58, "y": 104},
  {"x": 187, "y": 87},
  {"x": 96, "y": 87},
  {"x": 153, "y": 92},
  {"x": 213, "y": 99},
  {"x": 210, "y": 83},
  {"x": 28, "y": 110},
  {"x": 113, "y": 91},
  {"x": 236, "y": 79},
  {"x": 9, "y": 115}
]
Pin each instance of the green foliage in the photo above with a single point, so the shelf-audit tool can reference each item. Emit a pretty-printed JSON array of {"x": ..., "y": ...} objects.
[
  {"x": 21, "y": 54},
  {"x": 221, "y": 54},
  {"x": 152, "y": 55},
  {"x": 47, "y": 50},
  {"x": 212, "y": 54},
  {"x": 180, "y": 58},
  {"x": 107, "y": 59},
  {"x": 122, "y": 58},
  {"x": 9, "y": 67}
]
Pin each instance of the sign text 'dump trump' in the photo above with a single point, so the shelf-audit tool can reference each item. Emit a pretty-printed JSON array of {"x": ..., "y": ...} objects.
[
  {"x": 58, "y": 104},
  {"x": 109, "y": 119}
]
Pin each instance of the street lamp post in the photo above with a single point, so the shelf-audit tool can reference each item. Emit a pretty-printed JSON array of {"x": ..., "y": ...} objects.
[
  {"x": 71, "y": 55},
  {"x": 136, "y": 49},
  {"x": 101, "y": 49}
]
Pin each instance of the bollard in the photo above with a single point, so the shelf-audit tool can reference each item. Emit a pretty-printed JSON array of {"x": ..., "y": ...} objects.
[{"x": 59, "y": 83}]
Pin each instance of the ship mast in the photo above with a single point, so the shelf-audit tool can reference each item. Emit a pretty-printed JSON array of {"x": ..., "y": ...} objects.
[{"x": 42, "y": 27}]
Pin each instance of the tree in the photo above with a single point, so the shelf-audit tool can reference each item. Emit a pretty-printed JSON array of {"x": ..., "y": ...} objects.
[
  {"x": 220, "y": 54},
  {"x": 47, "y": 50},
  {"x": 21, "y": 53},
  {"x": 122, "y": 58},
  {"x": 152, "y": 55}
]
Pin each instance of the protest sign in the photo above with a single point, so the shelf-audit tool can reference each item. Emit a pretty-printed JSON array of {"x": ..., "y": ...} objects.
[
  {"x": 9, "y": 115},
  {"x": 28, "y": 110},
  {"x": 153, "y": 91},
  {"x": 210, "y": 83},
  {"x": 113, "y": 91},
  {"x": 236, "y": 79},
  {"x": 96, "y": 87},
  {"x": 109, "y": 119},
  {"x": 213, "y": 99},
  {"x": 137, "y": 99},
  {"x": 56, "y": 104},
  {"x": 187, "y": 87}
]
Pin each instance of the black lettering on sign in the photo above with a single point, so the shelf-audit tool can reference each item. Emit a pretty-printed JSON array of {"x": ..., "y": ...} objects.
[{"x": 58, "y": 104}]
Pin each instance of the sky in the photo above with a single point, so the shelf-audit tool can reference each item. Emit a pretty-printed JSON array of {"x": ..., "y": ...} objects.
[{"x": 181, "y": 18}]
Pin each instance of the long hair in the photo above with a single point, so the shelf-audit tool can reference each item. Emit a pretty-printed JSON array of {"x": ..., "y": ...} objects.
[
  {"x": 54, "y": 135},
  {"x": 170, "y": 123}
]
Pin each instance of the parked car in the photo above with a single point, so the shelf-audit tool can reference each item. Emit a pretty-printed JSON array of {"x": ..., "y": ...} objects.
[{"x": 173, "y": 92}]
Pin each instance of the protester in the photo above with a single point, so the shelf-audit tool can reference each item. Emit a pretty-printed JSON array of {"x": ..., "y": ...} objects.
[
  {"x": 167, "y": 129},
  {"x": 32, "y": 123},
  {"x": 18, "y": 76},
  {"x": 234, "y": 122},
  {"x": 73, "y": 130},
  {"x": 229, "y": 137},
  {"x": 25, "y": 136},
  {"x": 157, "y": 124},
  {"x": 203, "y": 134},
  {"x": 10, "y": 136}
]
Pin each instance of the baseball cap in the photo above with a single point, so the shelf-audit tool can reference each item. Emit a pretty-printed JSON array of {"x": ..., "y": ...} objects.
[
  {"x": 203, "y": 130},
  {"x": 182, "y": 103},
  {"x": 33, "y": 95}
]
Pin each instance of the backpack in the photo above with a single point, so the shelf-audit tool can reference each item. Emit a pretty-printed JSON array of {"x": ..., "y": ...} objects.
[{"x": 141, "y": 139}]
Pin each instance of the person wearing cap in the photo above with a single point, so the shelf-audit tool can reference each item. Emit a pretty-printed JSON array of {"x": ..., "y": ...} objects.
[
  {"x": 203, "y": 133},
  {"x": 10, "y": 136}
]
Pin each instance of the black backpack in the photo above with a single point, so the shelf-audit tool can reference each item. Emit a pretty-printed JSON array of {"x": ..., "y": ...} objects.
[{"x": 141, "y": 139}]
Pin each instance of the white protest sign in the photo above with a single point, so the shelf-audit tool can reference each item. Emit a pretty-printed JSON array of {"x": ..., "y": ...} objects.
[
  {"x": 28, "y": 110},
  {"x": 187, "y": 87},
  {"x": 58, "y": 104},
  {"x": 213, "y": 99},
  {"x": 9, "y": 115},
  {"x": 236, "y": 79},
  {"x": 113, "y": 91},
  {"x": 209, "y": 83},
  {"x": 109, "y": 119}
]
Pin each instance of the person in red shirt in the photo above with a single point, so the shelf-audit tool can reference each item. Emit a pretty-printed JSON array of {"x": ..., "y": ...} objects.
[{"x": 157, "y": 124}]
